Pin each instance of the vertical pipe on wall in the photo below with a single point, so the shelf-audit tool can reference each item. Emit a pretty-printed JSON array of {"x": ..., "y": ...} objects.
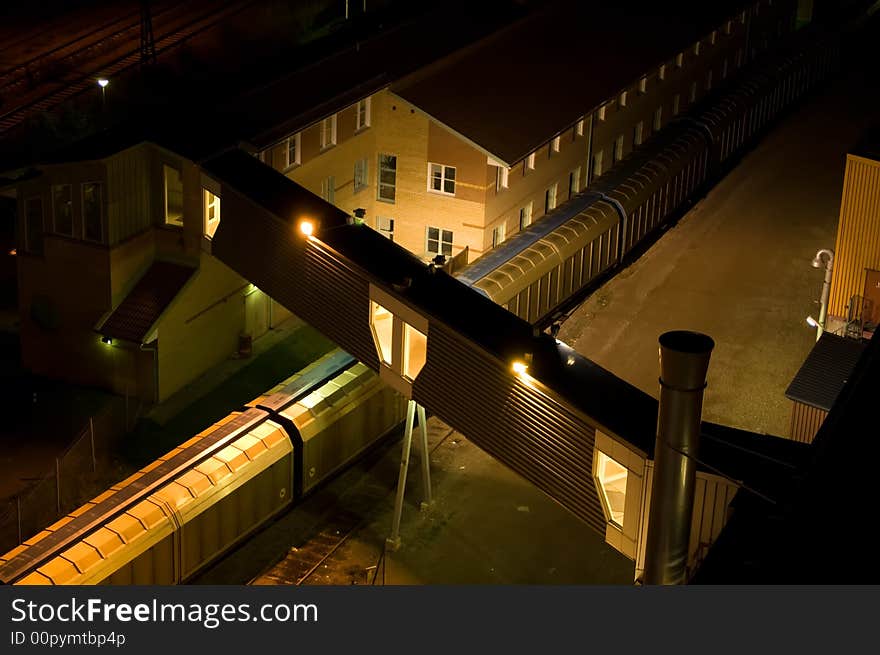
[{"x": 684, "y": 361}]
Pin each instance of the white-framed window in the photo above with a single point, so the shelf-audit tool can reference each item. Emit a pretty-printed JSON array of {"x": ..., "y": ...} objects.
[
  {"x": 697, "y": 49},
  {"x": 618, "y": 149},
  {"x": 676, "y": 104},
  {"x": 441, "y": 179},
  {"x": 173, "y": 195},
  {"x": 574, "y": 182},
  {"x": 361, "y": 175},
  {"x": 292, "y": 151},
  {"x": 33, "y": 224},
  {"x": 661, "y": 72},
  {"x": 93, "y": 209},
  {"x": 679, "y": 60},
  {"x": 612, "y": 478},
  {"x": 525, "y": 215},
  {"x": 211, "y": 209},
  {"x": 328, "y": 189},
  {"x": 362, "y": 114},
  {"x": 499, "y": 232},
  {"x": 638, "y": 133},
  {"x": 598, "y": 161},
  {"x": 658, "y": 118},
  {"x": 550, "y": 198},
  {"x": 622, "y": 99},
  {"x": 555, "y": 144},
  {"x": 385, "y": 226},
  {"x": 529, "y": 163},
  {"x": 502, "y": 177},
  {"x": 62, "y": 209},
  {"x": 602, "y": 112},
  {"x": 387, "y": 184},
  {"x": 328, "y": 132},
  {"x": 709, "y": 81},
  {"x": 693, "y": 97},
  {"x": 438, "y": 241},
  {"x": 643, "y": 84},
  {"x": 579, "y": 128},
  {"x": 724, "y": 69}
]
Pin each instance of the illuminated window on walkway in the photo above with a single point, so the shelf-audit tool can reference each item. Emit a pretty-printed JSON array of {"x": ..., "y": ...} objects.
[
  {"x": 415, "y": 351},
  {"x": 173, "y": 196},
  {"x": 612, "y": 483},
  {"x": 382, "y": 322},
  {"x": 212, "y": 212}
]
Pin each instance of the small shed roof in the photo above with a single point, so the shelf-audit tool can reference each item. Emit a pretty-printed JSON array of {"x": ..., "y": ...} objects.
[{"x": 825, "y": 371}]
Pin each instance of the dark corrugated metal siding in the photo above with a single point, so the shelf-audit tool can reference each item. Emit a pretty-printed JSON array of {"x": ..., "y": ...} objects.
[{"x": 805, "y": 422}]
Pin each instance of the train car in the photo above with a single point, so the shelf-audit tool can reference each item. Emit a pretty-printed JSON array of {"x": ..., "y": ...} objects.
[
  {"x": 538, "y": 270},
  {"x": 183, "y": 511}
]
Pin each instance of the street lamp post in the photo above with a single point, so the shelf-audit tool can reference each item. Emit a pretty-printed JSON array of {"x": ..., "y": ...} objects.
[{"x": 824, "y": 257}]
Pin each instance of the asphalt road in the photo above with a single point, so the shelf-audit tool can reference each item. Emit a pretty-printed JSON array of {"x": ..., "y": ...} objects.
[{"x": 737, "y": 267}]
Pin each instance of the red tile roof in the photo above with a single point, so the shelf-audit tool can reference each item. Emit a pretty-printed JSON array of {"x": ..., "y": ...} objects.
[{"x": 141, "y": 308}]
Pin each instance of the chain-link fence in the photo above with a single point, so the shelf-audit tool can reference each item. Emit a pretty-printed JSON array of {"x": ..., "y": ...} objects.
[{"x": 69, "y": 483}]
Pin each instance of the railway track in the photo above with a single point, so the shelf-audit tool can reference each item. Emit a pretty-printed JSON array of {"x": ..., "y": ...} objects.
[
  {"x": 302, "y": 563},
  {"x": 54, "y": 92}
]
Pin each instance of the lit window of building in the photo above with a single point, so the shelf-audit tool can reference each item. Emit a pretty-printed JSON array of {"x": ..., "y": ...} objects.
[
  {"x": 387, "y": 186},
  {"x": 697, "y": 49},
  {"x": 529, "y": 163},
  {"x": 382, "y": 322},
  {"x": 623, "y": 97},
  {"x": 643, "y": 85},
  {"x": 385, "y": 227},
  {"x": 438, "y": 241},
  {"x": 555, "y": 144},
  {"x": 602, "y": 113},
  {"x": 728, "y": 27},
  {"x": 328, "y": 189},
  {"x": 574, "y": 182},
  {"x": 598, "y": 161},
  {"x": 441, "y": 179},
  {"x": 579, "y": 128},
  {"x": 712, "y": 37},
  {"x": 499, "y": 232},
  {"x": 292, "y": 151},
  {"x": 679, "y": 60},
  {"x": 211, "y": 204},
  {"x": 361, "y": 179},
  {"x": 658, "y": 118},
  {"x": 525, "y": 216},
  {"x": 502, "y": 174},
  {"x": 661, "y": 73},
  {"x": 638, "y": 133},
  {"x": 550, "y": 198},
  {"x": 612, "y": 477},
  {"x": 415, "y": 351},
  {"x": 362, "y": 114},
  {"x": 173, "y": 196},
  {"x": 328, "y": 132},
  {"x": 62, "y": 208}
]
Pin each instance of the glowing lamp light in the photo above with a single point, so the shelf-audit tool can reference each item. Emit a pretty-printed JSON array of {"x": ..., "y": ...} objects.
[
  {"x": 107, "y": 341},
  {"x": 13, "y": 252},
  {"x": 103, "y": 82},
  {"x": 520, "y": 368},
  {"x": 812, "y": 322},
  {"x": 307, "y": 228}
]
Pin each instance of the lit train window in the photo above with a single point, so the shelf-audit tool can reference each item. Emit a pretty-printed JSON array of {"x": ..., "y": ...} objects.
[
  {"x": 612, "y": 483},
  {"x": 382, "y": 322}
]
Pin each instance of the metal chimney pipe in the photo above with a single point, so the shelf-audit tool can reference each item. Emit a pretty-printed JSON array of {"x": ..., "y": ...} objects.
[{"x": 684, "y": 361}]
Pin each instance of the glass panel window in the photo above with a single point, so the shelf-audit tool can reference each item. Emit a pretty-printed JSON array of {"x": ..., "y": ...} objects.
[
  {"x": 173, "y": 196},
  {"x": 498, "y": 234},
  {"x": 33, "y": 216},
  {"x": 525, "y": 216},
  {"x": 62, "y": 206},
  {"x": 555, "y": 144},
  {"x": 362, "y": 114},
  {"x": 529, "y": 164},
  {"x": 638, "y": 133},
  {"x": 618, "y": 149},
  {"x": 550, "y": 199},
  {"x": 415, "y": 351},
  {"x": 360, "y": 175},
  {"x": 385, "y": 227},
  {"x": 292, "y": 151},
  {"x": 643, "y": 85},
  {"x": 598, "y": 161},
  {"x": 92, "y": 209},
  {"x": 382, "y": 322},
  {"x": 387, "y": 187},
  {"x": 623, "y": 98},
  {"x": 697, "y": 49},
  {"x": 679, "y": 60},
  {"x": 579, "y": 128},
  {"x": 328, "y": 189},
  {"x": 502, "y": 175},
  {"x": 661, "y": 73},
  {"x": 439, "y": 241},
  {"x": 328, "y": 131},
  {"x": 212, "y": 212},
  {"x": 602, "y": 112},
  {"x": 658, "y": 119},
  {"x": 574, "y": 182},
  {"x": 441, "y": 179},
  {"x": 612, "y": 483}
]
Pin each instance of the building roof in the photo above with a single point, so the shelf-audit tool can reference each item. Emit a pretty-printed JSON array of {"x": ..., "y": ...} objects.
[
  {"x": 825, "y": 370},
  {"x": 516, "y": 89},
  {"x": 142, "y": 307}
]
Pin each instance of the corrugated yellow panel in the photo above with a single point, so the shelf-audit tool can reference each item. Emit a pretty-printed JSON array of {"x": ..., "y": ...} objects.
[
  {"x": 195, "y": 481},
  {"x": 129, "y": 480},
  {"x": 270, "y": 433},
  {"x": 34, "y": 578},
  {"x": 858, "y": 233},
  {"x": 295, "y": 413},
  {"x": 192, "y": 441},
  {"x": 233, "y": 457},
  {"x": 40, "y": 535},
  {"x": 174, "y": 495},
  {"x": 250, "y": 446},
  {"x": 223, "y": 421},
  {"x": 105, "y": 542},
  {"x": 215, "y": 469},
  {"x": 149, "y": 467},
  {"x": 64, "y": 520},
  {"x": 103, "y": 496},
  {"x": 83, "y": 556},
  {"x": 148, "y": 513},
  {"x": 59, "y": 571},
  {"x": 15, "y": 552},
  {"x": 82, "y": 509},
  {"x": 127, "y": 527}
]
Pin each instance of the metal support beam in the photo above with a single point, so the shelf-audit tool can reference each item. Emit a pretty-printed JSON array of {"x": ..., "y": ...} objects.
[{"x": 393, "y": 542}]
